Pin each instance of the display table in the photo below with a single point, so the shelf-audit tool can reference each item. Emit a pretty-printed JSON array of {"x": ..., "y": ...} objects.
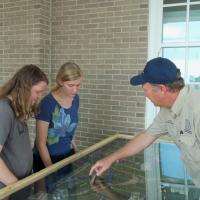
[{"x": 144, "y": 176}]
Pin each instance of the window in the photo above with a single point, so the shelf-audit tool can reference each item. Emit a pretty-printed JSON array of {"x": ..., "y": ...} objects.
[
  {"x": 174, "y": 182},
  {"x": 174, "y": 33},
  {"x": 180, "y": 40}
]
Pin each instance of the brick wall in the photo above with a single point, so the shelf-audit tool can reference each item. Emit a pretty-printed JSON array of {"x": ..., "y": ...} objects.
[
  {"x": 107, "y": 38},
  {"x": 24, "y": 38}
]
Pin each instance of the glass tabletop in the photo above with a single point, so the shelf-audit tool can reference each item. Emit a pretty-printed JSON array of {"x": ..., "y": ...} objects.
[{"x": 157, "y": 173}]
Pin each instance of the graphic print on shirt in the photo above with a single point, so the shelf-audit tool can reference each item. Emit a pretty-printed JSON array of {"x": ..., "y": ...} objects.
[
  {"x": 188, "y": 128},
  {"x": 61, "y": 126}
]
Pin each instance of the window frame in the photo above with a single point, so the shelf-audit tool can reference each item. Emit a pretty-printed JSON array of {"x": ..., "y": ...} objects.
[{"x": 155, "y": 47}]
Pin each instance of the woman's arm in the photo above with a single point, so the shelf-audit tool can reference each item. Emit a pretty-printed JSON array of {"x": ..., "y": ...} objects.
[
  {"x": 6, "y": 176},
  {"x": 41, "y": 139},
  {"x": 74, "y": 145}
]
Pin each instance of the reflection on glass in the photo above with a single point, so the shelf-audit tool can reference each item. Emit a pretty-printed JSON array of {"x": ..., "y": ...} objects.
[
  {"x": 195, "y": 86},
  {"x": 174, "y": 24},
  {"x": 194, "y": 1},
  {"x": 194, "y": 23},
  {"x": 174, "y": 1},
  {"x": 194, "y": 65},
  {"x": 125, "y": 180},
  {"x": 173, "y": 192},
  {"x": 177, "y": 55},
  {"x": 172, "y": 174},
  {"x": 169, "y": 156},
  {"x": 193, "y": 193}
]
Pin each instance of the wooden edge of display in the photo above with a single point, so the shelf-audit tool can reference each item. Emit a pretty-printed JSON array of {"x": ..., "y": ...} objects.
[{"x": 10, "y": 189}]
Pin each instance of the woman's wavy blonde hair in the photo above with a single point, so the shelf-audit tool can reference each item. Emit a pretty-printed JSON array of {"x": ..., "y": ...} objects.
[{"x": 19, "y": 89}]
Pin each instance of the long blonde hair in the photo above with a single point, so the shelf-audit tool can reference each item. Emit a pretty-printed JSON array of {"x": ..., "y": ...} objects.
[
  {"x": 19, "y": 89},
  {"x": 68, "y": 72}
]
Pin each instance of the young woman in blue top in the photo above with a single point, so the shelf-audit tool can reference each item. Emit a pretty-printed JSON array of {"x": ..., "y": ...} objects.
[{"x": 58, "y": 118}]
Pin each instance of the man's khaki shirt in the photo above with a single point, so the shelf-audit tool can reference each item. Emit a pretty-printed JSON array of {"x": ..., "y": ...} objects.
[{"x": 182, "y": 123}]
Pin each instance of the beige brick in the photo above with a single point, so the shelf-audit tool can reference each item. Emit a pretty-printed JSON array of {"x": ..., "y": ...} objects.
[{"x": 107, "y": 38}]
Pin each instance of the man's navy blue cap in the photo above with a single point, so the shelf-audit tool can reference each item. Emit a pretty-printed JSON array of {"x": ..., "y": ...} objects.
[{"x": 157, "y": 71}]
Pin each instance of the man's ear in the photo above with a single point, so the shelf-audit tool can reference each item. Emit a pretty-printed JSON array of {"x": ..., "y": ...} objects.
[{"x": 163, "y": 88}]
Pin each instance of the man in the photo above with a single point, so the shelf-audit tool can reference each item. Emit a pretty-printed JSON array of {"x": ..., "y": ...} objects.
[{"x": 179, "y": 116}]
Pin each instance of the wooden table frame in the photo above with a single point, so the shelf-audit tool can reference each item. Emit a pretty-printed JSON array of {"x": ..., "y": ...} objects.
[{"x": 10, "y": 189}]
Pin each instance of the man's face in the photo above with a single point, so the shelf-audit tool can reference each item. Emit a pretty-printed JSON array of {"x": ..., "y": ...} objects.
[{"x": 153, "y": 93}]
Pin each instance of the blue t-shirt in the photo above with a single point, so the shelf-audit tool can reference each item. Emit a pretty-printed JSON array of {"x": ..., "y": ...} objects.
[{"x": 62, "y": 124}]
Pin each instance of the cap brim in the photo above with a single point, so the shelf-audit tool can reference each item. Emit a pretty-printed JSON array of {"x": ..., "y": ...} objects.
[{"x": 137, "y": 80}]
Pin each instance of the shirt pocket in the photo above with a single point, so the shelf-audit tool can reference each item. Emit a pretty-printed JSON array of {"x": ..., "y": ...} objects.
[
  {"x": 190, "y": 147},
  {"x": 187, "y": 140}
]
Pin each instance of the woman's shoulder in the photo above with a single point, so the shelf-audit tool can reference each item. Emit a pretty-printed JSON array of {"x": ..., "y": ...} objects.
[
  {"x": 48, "y": 101},
  {"x": 48, "y": 98},
  {"x": 76, "y": 97},
  {"x": 5, "y": 105}
]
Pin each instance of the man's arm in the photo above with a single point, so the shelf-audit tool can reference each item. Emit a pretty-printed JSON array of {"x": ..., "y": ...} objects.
[
  {"x": 6, "y": 176},
  {"x": 134, "y": 146}
]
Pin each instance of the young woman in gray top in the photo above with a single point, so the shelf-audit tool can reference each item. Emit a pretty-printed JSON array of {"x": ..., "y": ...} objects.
[{"x": 18, "y": 100}]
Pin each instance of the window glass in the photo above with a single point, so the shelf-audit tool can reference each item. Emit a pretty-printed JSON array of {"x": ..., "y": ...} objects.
[
  {"x": 174, "y": 1},
  {"x": 173, "y": 174},
  {"x": 177, "y": 55},
  {"x": 194, "y": 65},
  {"x": 174, "y": 24},
  {"x": 170, "y": 164},
  {"x": 180, "y": 42},
  {"x": 194, "y": 23}
]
